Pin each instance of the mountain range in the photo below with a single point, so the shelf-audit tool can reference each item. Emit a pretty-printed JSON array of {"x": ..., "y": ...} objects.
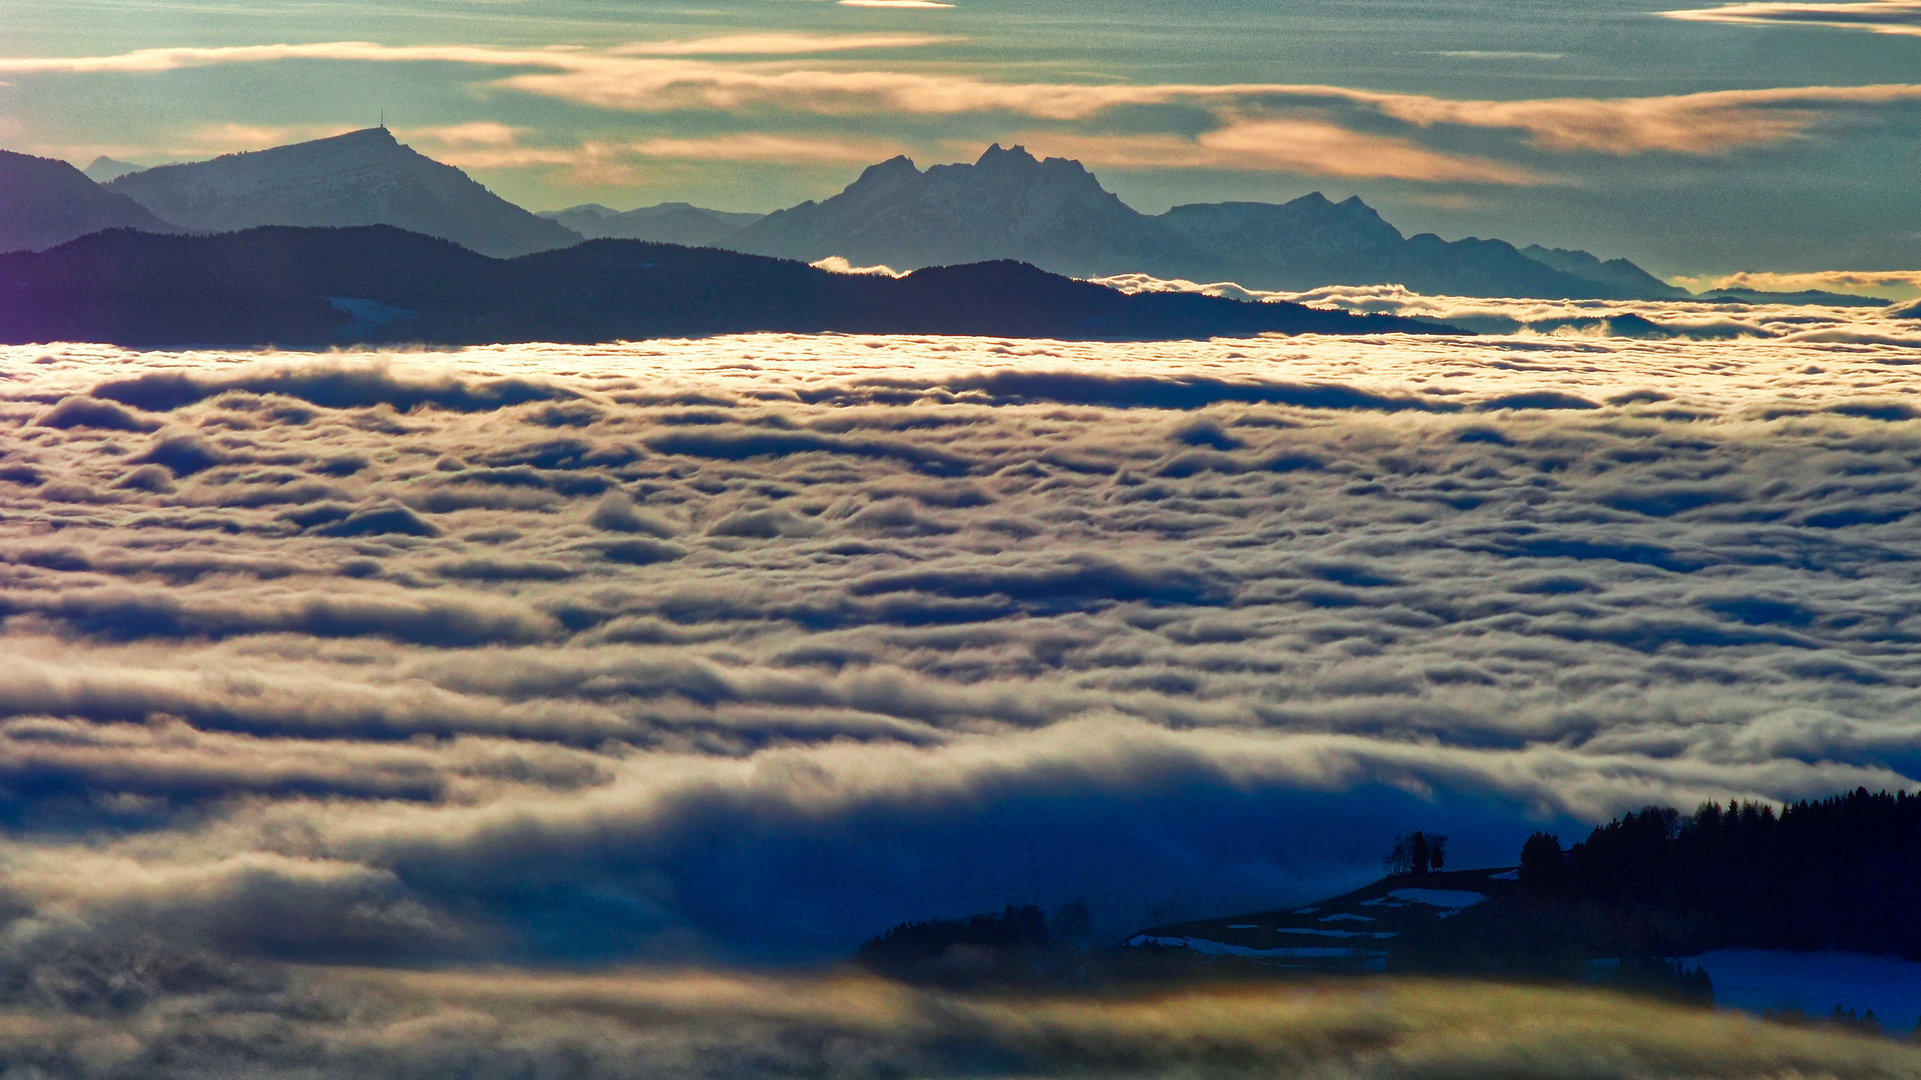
[
  {"x": 665, "y": 223},
  {"x": 320, "y": 286},
  {"x": 44, "y": 202},
  {"x": 361, "y": 178},
  {"x": 1055, "y": 215},
  {"x": 1052, "y": 214}
]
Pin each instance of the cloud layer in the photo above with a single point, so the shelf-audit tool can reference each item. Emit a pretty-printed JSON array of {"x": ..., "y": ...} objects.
[
  {"x": 181, "y": 1016},
  {"x": 751, "y": 647}
]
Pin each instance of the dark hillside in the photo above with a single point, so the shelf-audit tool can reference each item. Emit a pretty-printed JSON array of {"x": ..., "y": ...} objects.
[{"x": 321, "y": 286}]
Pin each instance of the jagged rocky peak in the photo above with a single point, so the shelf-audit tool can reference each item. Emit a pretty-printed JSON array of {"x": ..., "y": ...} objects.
[
  {"x": 1037, "y": 189},
  {"x": 899, "y": 167},
  {"x": 1017, "y": 160},
  {"x": 1014, "y": 160},
  {"x": 879, "y": 182},
  {"x": 1015, "y": 165}
]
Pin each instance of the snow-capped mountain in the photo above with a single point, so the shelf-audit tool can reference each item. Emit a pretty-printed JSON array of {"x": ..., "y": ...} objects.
[
  {"x": 45, "y": 202},
  {"x": 665, "y": 223},
  {"x": 1056, "y": 215},
  {"x": 361, "y": 178}
]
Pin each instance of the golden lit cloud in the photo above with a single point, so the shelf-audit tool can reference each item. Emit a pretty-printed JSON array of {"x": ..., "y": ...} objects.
[
  {"x": 1889, "y": 285},
  {"x": 775, "y": 43},
  {"x": 213, "y": 139},
  {"x": 669, "y": 76},
  {"x": 1877, "y": 16},
  {"x": 497, "y": 146},
  {"x": 1705, "y": 123},
  {"x": 1284, "y": 144}
]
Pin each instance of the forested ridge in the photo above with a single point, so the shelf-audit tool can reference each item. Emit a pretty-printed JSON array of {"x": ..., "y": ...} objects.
[
  {"x": 1838, "y": 873},
  {"x": 1645, "y": 888}
]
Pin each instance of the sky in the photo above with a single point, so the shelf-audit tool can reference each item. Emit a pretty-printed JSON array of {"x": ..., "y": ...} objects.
[{"x": 1702, "y": 140}]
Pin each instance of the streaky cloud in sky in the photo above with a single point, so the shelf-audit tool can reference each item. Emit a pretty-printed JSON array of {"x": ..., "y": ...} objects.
[
  {"x": 1878, "y": 16},
  {"x": 1299, "y": 144},
  {"x": 1710, "y": 122}
]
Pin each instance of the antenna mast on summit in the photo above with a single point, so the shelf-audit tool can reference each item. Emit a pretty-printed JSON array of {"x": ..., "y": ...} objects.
[{"x": 383, "y": 119}]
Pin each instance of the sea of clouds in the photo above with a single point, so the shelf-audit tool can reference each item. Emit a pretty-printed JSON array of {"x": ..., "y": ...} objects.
[{"x": 741, "y": 650}]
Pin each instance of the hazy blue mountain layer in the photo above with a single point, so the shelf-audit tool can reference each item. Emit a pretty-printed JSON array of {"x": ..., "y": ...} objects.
[
  {"x": 44, "y": 202},
  {"x": 361, "y": 178},
  {"x": 105, "y": 169},
  {"x": 1055, "y": 214},
  {"x": 665, "y": 223}
]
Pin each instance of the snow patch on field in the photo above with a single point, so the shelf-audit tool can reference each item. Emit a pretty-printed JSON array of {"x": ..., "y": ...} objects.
[
  {"x": 1440, "y": 898},
  {"x": 1217, "y": 948}
]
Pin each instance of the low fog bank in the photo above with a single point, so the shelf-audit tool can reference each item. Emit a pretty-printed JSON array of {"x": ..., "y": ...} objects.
[
  {"x": 314, "y": 1023},
  {"x": 1655, "y": 320},
  {"x": 749, "y": 648}
]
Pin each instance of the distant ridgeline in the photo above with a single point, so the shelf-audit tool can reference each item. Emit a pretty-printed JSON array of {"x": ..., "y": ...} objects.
[
  {"x": 375, "y": 284},
  {"x": 1842, "y": 873},
  {"x": 1008, "y": 205}
]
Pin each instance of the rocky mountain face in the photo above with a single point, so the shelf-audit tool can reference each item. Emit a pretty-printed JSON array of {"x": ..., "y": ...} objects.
[
  {"x": 1008, "y": 205},
  {"x": 361, "y": 178},
  {"x": 44, "y": 202},
  {"x": 665, "y": 223},
  {"x": 1056, "y": 215}
]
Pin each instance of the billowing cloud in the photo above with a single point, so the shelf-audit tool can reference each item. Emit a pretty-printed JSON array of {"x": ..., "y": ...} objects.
[
  {"x": 698, "y": 649},
  {"x": 152, "y": 1010},
  {"x": 1888, "y": 284}
]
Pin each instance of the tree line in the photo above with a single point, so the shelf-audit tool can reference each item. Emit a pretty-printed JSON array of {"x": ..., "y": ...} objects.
[{"x": 1838, "y": 873}]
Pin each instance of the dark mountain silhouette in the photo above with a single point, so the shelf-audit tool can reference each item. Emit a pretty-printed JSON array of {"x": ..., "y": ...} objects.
[
  {"x": 299, "y": 286},
  {"x": 1056, "y": 215},
  {"x": 105, "y": 169},
  {"x": 44, "y": 202},
  {"x": 665, "y": 223},
  {"x": 361, "y": 178}
]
